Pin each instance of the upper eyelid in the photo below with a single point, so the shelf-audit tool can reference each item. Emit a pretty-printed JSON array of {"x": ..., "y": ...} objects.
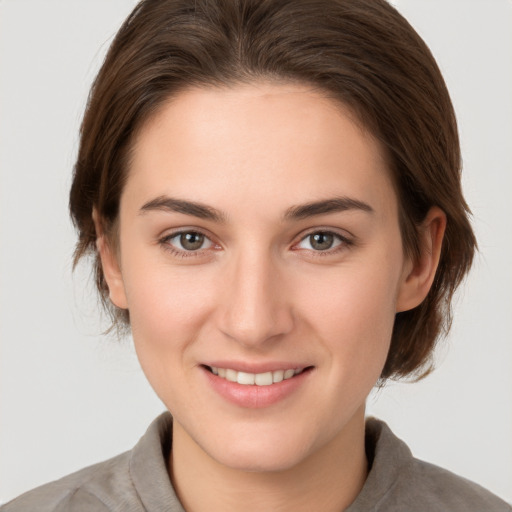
[
  {"x": 168, "y": 234},
  {"x": 346, "y": 236},
  {"x": 166, "y": 238}
]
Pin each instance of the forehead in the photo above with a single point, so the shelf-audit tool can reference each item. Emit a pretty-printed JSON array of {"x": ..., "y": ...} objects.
[{"x": 287, "y": 143}]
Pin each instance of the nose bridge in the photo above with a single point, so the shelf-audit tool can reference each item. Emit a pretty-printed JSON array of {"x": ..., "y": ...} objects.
[{"x": 255, "y": 306}]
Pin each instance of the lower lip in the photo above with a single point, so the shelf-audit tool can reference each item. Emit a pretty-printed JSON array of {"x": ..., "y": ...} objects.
[{"x": 252, "y": 396}]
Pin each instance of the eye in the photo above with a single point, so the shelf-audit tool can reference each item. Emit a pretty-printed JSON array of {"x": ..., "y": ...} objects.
[
  {"x": 188, "y": 241},
  {"x": 321, "y": 241}
]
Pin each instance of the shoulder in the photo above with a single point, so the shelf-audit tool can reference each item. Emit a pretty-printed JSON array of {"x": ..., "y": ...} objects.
[
  {"x": 134, "y": 481},
  {"x": 399, "y": 482},
  {"x": 93, "y": 489},
  {"x": 445, "y": 489}
]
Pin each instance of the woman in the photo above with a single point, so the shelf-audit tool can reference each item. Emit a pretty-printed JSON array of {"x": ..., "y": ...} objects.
[{"x": 273, "y": 198}]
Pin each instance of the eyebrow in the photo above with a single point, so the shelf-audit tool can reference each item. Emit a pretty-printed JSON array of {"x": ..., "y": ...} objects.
[
  {"x": 303, "y": 211},
  {"x": 169, "y": 204},
  {"x": 336, "y": 204}
]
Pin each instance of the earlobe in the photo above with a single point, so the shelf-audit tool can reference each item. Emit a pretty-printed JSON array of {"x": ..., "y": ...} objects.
[
  {"x": 110, "y": 266},
  {"x": 419, "y": 275}
]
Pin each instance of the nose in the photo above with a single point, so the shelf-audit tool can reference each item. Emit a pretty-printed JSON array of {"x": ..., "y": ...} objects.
[{"x": 255, "y": 305}]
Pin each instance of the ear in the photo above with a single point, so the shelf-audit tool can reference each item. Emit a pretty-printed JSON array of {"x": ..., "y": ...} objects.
[
  {"x": 419, "y": 275},
  {"x": 110, "y": 265}
]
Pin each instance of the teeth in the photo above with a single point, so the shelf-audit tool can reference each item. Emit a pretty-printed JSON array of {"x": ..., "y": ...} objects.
[
  {"x": 288, "y": 374},
  {"x": 263, "y": 379},
  {"x": 245, "y": 378},
  {"x": 258, "y": 379},
  {"x": 231, "y": 375},
  {"x": 278, "y": 375}
]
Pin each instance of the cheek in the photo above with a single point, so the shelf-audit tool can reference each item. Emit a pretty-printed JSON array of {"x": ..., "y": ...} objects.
[
  {"x": 352, "y": 310},
  {"x": 167, "y": 305},
  {"x": 164, "y": 302},
  {"x": 167, "y": 313}
]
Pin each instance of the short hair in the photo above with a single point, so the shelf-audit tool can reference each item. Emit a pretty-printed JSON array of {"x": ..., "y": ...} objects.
[{"x": 361, "y": 53}]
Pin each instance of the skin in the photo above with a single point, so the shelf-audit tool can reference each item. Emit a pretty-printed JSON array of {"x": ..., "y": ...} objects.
[{"x": 258, "y": 291}]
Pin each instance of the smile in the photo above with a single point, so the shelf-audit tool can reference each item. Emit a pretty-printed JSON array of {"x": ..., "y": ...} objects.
[{"x": 255, "y": 379}]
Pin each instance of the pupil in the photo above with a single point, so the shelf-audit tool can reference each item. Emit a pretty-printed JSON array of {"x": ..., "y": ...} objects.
[
  {"x": 191, "y": 241},
  {"x": 322, "y": 241}
]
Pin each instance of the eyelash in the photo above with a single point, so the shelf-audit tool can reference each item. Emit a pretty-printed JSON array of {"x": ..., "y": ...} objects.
[
  {"x": 164, "y": 242},
  {"x": 343, "y": 243}
]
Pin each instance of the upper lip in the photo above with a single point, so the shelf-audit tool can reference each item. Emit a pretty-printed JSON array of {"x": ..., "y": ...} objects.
[{"x": 263, "y": 367}]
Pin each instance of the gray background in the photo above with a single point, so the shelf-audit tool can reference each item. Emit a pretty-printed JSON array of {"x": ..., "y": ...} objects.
[{"x": 70, "y": 397}]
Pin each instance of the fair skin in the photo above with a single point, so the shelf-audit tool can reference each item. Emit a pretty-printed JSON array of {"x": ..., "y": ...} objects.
[{"x": 223, "y": 268}]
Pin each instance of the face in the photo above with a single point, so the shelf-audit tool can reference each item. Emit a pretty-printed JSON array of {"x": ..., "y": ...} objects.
[{"x": 261, "y": 262}]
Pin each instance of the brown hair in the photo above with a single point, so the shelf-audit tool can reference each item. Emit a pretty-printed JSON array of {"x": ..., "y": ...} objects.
[{"x": 363, "y": 53}]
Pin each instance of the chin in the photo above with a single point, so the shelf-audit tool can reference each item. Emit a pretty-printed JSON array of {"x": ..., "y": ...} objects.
[
  {"x": 259, "y": 462},
  {"x": 262, "y": 454}
]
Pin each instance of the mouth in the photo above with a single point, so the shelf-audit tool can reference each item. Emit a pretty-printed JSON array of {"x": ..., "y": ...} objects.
[
  {"x": 256, "y": 379},
  {"x": 268, "y": 383}
]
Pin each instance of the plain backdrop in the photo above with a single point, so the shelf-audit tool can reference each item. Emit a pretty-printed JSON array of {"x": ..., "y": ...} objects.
[{"x": 70, "y": 397}]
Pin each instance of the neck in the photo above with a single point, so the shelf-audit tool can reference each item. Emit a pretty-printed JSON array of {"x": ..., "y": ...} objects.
[{"x": 329, "y": 479}]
